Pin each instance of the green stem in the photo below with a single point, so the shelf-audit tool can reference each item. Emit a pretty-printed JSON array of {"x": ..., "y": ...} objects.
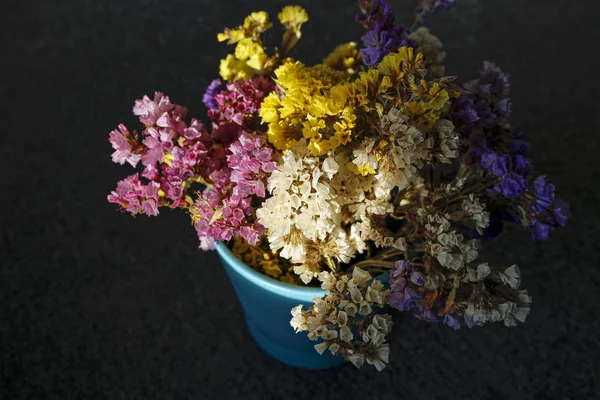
[{"x": 416, "y": 20}]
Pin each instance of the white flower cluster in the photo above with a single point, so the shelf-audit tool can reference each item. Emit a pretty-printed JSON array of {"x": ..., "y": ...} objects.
[
  {"x": 477, "y": 274},
  {"x": 344, "y": 319},
  {"x": 476, "y": 210},
  {"x": 510, "y": 312},
  {"x": 303, "y": 215},
  {"x": 407, "y": 148},
  {"x": 321, "y": 210},
  {"x": 356, "y": 194},
  {"x": 449, "y": 248},
  {"x": 447, "y": 146}
]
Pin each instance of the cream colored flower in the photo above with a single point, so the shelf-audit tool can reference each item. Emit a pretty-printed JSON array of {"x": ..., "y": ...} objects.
[
  {"x": 378, "y": 355},
  {"x": 346, "y": 334},
  {"x": 321, "y": 347},
  {"x": 298, "y": 321}
]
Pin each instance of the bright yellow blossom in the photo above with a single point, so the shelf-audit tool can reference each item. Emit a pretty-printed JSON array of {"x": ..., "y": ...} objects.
[
  {"x": 308, "y": 109},
  {"x": 293, "y": 16},
  {"x": 344, "y": 57},
  {"x": 231, "y": 69},
  {"x": 249, "y": 58},
  {"x": 254, "y": 25}
]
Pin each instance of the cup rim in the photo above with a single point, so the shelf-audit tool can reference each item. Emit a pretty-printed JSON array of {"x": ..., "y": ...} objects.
[{"x": 268, "y": 283}]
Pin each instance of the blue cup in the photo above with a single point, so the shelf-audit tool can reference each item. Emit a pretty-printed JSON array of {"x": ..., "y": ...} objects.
[{"x": 267, "y": 307}]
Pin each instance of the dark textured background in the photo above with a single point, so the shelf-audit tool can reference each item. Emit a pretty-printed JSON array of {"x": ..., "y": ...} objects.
[{"x": 97, "y": 305}]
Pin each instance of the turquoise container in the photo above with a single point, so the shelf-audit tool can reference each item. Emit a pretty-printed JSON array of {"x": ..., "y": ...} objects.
[{"x": 267, "y": 304}]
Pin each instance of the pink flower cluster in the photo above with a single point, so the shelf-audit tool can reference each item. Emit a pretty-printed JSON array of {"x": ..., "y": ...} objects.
[
  {"x": 233, "y": 163},
  {"x": 171, "y": 151},
  {"x": 136, "y": 197},
  {"x": 226, "y": 208},
  {"x": 237, "y": 105}
]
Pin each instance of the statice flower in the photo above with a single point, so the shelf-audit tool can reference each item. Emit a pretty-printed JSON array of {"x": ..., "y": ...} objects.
[
  {"x": 126, "y": 146},
  {"x": 236, "y": 104},
  {"x": 208, "y": 98},
  {"x": 302, "y": 215},
  {"x": 549, "y": 213},
  {"x": 334, "y": 174},
  {"x": 384, "y": 36},
  {"x": 171, "y": 152},
  {"x": 483, "y": 111},
  {"x": 428, "y": 7},
  {"x": 251, "y": 163},
  {"x": 345, "y": 320},
  {"x": 226, "y": 210},
  {"x": 403, "y": 282},
  {"x": 149, "y": 110},
  {"x": 135, "y": 196}
]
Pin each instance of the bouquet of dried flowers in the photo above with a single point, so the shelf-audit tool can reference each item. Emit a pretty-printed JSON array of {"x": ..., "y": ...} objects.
[{"x": 373, "y": 161}]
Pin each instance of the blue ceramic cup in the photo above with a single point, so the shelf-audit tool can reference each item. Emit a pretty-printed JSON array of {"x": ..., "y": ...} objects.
[{"x": 267, "y": 306}]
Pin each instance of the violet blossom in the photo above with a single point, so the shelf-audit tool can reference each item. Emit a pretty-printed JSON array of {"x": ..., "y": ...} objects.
[{"x": 384, "y": 36}]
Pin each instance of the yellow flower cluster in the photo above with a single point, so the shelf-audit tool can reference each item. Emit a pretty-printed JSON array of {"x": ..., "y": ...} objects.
[
  {"x": 264, "y": 261},
  {"x": 398, "y": 81},
  {"x": 254, "y": 25},
  {"x": 308, "y": 109},
  {"x": 249, "y": 58},
  {"x": 421, "y": 100},
  {"x": 345, "y": 57}
]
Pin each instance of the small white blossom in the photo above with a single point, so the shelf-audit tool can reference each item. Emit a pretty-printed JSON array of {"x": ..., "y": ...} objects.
[
  {"x": 321, "y": 347},
  {"x": 328, "y": 280},
  {"x": 448, "y": 140},
  {"x": 475, "y": 209},
  {"x": 351, "y": 309},
  {"x": 356, "y": 295},
  {"x": 511, "y": 276},
  {"x": 365, "y": 308},
  {"x": 346, "y": 334},
  {"x": 334, "y": 348},
  {"x": 477, "y": 274},
  {"x": 298, "y": 321},
  {"x": 512, "y": 312},
  {"x": 357, "y": 359},
  {"x": 342, "y": 318},
  {"x": 378, "y": 355},
  {"x": 360, "y": 276}
]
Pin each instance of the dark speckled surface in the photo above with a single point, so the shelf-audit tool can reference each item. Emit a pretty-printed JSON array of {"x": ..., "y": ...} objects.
[{"x": 97, "y": 305}]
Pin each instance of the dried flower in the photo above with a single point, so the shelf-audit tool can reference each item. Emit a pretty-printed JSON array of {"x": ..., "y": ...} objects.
[{"x": 370, "y": 162}]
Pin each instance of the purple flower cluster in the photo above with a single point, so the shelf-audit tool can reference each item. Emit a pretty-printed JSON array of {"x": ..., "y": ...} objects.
[
  {"x": 212, "y": 90},
  {"x": 428, "y": 7},
  {"x": 408, "y": 293},
  {"x": 225, "y": 208},
  {"x": 482, "y": 112},
  {"x": 406, "y": 285},
  {"x": 384, "y": 36},
  {"x": 549, "y": 213}
]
